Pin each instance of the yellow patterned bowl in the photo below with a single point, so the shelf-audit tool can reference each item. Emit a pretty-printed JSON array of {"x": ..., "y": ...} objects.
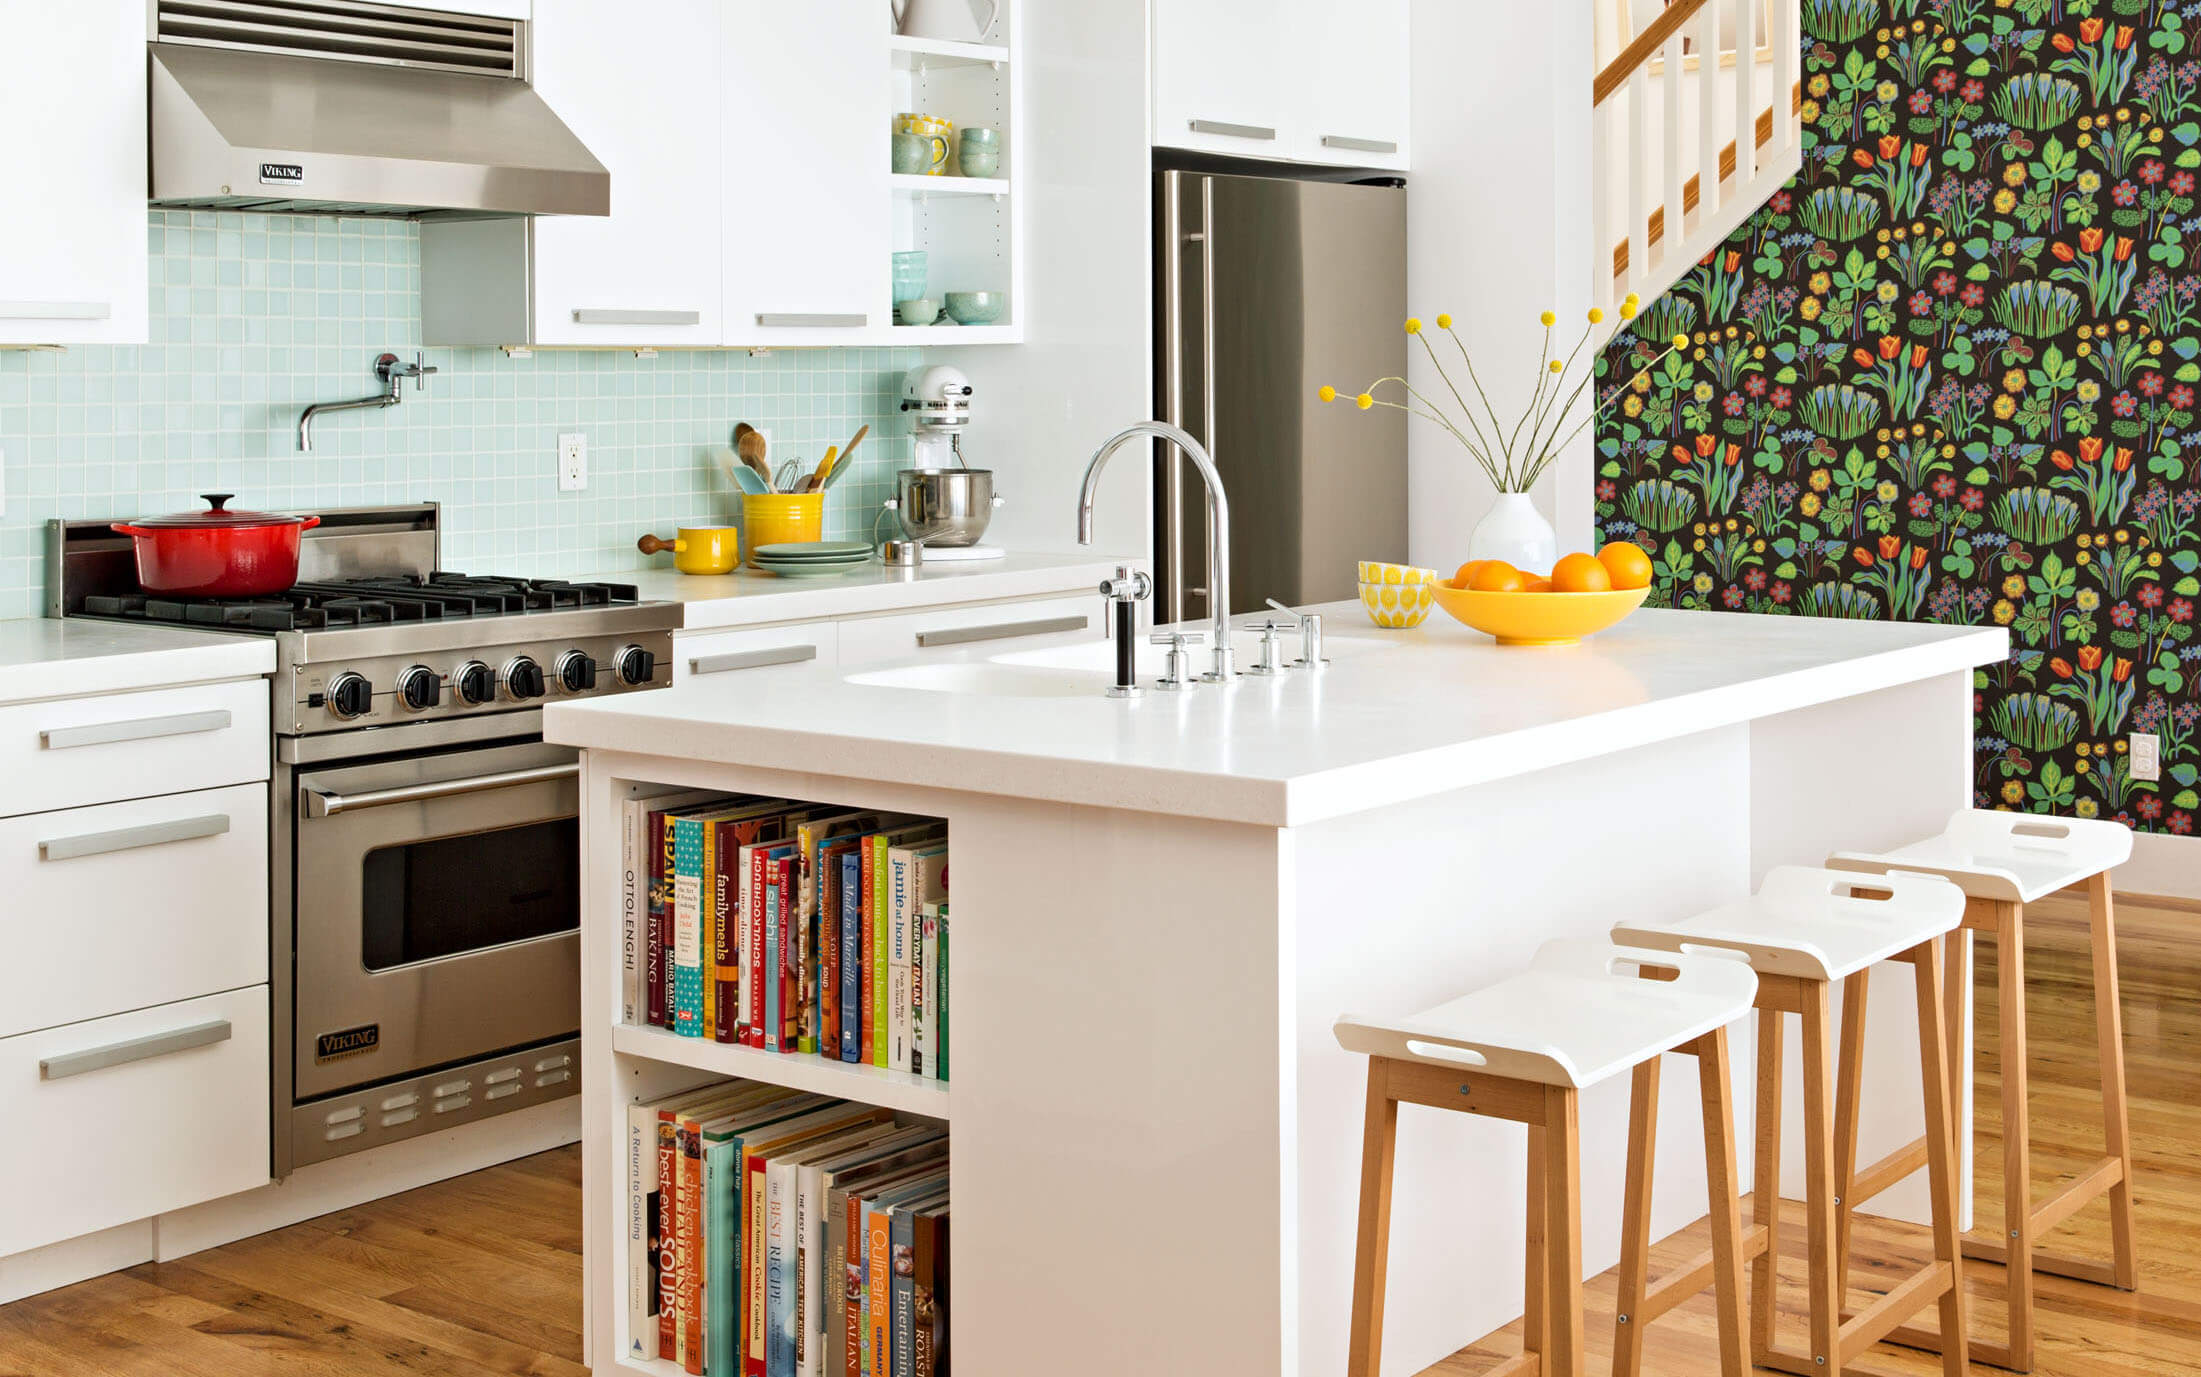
[
  {"x": 1396, "y": 606},
  {"x": 1376, "y": 571},
  {"x": 1537, "y": 618}
]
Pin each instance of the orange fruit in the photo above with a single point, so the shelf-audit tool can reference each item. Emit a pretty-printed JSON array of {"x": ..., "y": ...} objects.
[
  {"x": 1625, "y": 561},
  {"x": 1580, "y": 573},
  {"x": 1539, "y": 586},
  {"x": 1497, "y": 576},
  {"x": 1465, "y": 575}
]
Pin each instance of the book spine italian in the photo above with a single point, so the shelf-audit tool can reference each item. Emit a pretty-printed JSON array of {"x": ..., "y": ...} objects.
[
  {"x": 940, "y": 988},
  {"x": 902, "y": 1254},
  {"x": 899, "y": 1005},
  {"x": 852, "y": 954},
  {"x": 779, "y": 1272},
  {"x": 630, "y": 910},
  {"x": 668, "y": 1214},
  {"x": 855, "y": 1331},
  {"x": 875, "y": 895},
  {"x": 725, "y": 951},
  {"x": 790, "y": 970},
  {"x": 928, "y": 1321},
  {"x": 687, "y": 952},
  {"x": 753, "y": 990},
  {"x": 658, "y": 917},
  {"x": 828, "y": 975},
  {"x": 879, "y": 1290},
  {"x": 642, "y": 1235},
  {"x": 691, "y": 1251}
]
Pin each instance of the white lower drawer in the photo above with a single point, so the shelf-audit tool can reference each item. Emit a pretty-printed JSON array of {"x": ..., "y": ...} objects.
[
  {"x": 126, "y": 905},
  {"x": 118, "y": 1119},
  {"x": 66, "y": 752},
  {"x": 1000, "y": 626}
]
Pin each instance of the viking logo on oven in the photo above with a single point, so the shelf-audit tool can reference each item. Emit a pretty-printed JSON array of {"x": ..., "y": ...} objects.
[
  {"x": 282, "y": 174},
  {"x": 349, "y": 1042}
]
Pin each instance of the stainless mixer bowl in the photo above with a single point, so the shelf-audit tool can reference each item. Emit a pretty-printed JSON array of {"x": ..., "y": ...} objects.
[{"x": 944, "y": 507}]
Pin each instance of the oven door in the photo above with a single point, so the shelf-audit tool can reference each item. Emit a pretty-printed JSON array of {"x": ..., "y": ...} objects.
[{"x": 438, "y": 911}]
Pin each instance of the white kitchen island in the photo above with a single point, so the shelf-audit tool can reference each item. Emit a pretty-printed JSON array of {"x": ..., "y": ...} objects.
[{"x": 1161, "y": 904}]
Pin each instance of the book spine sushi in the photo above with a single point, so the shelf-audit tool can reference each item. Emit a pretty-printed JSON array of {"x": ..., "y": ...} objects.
[
  {"x": 852, "y": 955},
  {"x": 687, "y": 952},
  {"x": 642, "y": 1231}
]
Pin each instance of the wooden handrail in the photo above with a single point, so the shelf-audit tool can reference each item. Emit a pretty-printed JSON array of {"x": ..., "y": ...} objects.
[
  {"x": 1693, "y": 191},
  {"x": 1646, "y": 44}
]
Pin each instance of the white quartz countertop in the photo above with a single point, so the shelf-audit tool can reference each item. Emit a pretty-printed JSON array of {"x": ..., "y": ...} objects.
[
  {"x": 752, "y": 598},
  {"x": 1395, "y": 716},
  {"x": 41, "y": 657}
]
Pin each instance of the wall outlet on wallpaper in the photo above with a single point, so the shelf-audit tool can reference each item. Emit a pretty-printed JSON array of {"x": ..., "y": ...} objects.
[
  {"x": 572, "y": 462},
  {"x": 2147, "y": 756}
]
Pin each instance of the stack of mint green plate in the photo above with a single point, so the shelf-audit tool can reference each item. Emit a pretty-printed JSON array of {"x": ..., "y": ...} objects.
[{"x": 809, "y": 558}]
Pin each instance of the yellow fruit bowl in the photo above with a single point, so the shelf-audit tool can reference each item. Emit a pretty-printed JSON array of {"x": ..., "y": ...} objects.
[{"x": 1538, "y": 618}]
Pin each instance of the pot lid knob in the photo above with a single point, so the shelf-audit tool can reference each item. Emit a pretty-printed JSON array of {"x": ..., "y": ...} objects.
[{"x": 216, "y": 499}]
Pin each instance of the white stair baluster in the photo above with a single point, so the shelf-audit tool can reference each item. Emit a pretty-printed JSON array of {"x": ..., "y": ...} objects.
[
  {"x": 1746, "y": 97},
  {"x": 1673, "y": 231},
  {"x": 1639, "y": 179},
  {"x": 1708, "y": 125},
  {"x": 1602, "y": 235}
]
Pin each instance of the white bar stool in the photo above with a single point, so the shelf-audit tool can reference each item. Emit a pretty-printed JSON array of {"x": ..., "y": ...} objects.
[
  {"x": 2002, "y": 862},
  {"x": 1522, "y": 1050},
  {"x": 1801, "y": 932}
]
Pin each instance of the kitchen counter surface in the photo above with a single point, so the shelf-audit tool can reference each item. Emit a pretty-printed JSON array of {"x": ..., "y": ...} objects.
[
  {"x": 750, "y": 598},
  {"x": 1395, "y": 716},
  {"x": 41, "y": 657}
]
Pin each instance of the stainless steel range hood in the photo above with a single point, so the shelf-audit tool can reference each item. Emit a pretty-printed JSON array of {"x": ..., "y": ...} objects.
[{"x": 319, "y": 106}]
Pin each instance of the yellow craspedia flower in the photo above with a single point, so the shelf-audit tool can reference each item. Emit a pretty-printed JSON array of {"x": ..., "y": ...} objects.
[
  {"x": 1627, "y": 309},
  {"x": 1413, "y": 325},
  {"x": 1556, "y": 365},
  {"x": 1326, "y": 392},
  {"x": 1596, "y": 315},
  {"x": 1364, "y": 401},
  {"x": 1549, "y": 319},
  {"x": 1634, "y": 300},
  {"x": 1444, "y": 321}
]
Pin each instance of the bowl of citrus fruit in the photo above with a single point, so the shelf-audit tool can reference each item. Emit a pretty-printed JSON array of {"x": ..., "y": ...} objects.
[{"x": 1583, "y": 595}]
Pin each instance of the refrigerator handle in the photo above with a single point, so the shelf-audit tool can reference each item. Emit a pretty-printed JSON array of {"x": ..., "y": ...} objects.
[{"x": 1173, "y": 400}]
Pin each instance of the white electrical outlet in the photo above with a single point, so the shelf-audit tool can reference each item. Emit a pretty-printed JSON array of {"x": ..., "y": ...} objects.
[
  {"x": 2147, "y": 756},
  {"x": 572, "y": 462}
]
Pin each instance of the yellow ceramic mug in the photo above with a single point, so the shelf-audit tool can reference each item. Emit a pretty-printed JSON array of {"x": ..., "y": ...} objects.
[
  {"x": 930, "y": 127},
  {"x": 698, "y": 549}
]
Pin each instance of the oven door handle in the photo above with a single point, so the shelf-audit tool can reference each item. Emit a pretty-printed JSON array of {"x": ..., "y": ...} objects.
[{"x": 320, "y": 804}]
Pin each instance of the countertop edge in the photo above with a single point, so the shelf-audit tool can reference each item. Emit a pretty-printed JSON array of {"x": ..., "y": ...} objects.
[{"x": 65, "y": 677}]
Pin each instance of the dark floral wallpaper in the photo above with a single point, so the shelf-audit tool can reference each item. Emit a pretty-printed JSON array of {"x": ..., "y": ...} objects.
[{"x": 1948, "y": 374}]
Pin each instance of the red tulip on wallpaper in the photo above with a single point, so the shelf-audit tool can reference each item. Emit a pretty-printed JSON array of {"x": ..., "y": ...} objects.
[
  {"x": 2090, "y": 239},
  {"x": 2090, "y": 448},
  {"x": 2090, "y": 657},
  {"x": 2090, "y": 30}
]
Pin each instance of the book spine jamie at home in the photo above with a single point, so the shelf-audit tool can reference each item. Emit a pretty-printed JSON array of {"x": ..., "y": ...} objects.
[
  {"x": 687, "y": 954},
  {"x": 630, "y": 909},
  {"x": 790, "y": 972},
  {"x": 642, "y": 1228},
  {"x": 658, "y": 918},
  {"x": 875, "y": 890},
  {"x": 902, "y": 1254},
  {"x": 852, "y": 953},
  {"x": 668, "y": 1255}
]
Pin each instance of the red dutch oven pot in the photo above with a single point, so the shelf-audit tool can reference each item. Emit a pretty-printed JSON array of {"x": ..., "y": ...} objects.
[{"x": 217, "y": 553}]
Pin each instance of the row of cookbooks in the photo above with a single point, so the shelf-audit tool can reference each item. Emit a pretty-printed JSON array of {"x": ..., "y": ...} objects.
[
  {"x": 787, "y": 926},
  {"x": 773, "y": 1233}
]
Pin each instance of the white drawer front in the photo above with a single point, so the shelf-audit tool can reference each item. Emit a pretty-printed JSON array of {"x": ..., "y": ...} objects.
[
  {"x": 126, "y": 905},
  {"x": 73, "y": 751},
  {"x": 121, "y": 1118},
  {"x": 750, "y": 652},
  {"x": 1007, "y": 625}
]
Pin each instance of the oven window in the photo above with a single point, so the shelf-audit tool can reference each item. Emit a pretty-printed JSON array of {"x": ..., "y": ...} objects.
[{"x": 459, "y": 894}]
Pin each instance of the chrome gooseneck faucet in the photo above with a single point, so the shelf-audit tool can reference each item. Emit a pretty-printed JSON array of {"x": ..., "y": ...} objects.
[
  {"x": 1218, "y": 526},
  {"x": 388, "y": 369}
]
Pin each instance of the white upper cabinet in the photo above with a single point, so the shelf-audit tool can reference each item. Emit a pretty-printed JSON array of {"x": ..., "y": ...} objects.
[
  {"x": 640, "y": 87},
  {"x": 73, "y": 249},
  {"x": 1312, "y": 81},
  {"x": 806, "y": 142}
]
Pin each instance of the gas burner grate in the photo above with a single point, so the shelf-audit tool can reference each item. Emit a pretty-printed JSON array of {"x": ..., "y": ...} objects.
[{"x": 377, "y": 601}]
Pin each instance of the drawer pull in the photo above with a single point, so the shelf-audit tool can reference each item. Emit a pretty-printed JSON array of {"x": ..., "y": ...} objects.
[
  {"x": 1233, "y": 131},
  {"x": 1001, "y": 631},
  {"x": 593, "y": 317},
  {"x": 55, "y": 310},
  {"x": 1360, "y": 145},
  {"x": 813, "y": 320},
  {"x": 131, "y": 838},
  {"x": 135, "y": 729},
  {"x": 751, "y": 659},
  {"x": 133, "y": 1049}
]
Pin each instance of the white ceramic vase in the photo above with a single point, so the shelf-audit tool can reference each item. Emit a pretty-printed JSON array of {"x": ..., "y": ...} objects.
[{"x": 1516, "y": 533}]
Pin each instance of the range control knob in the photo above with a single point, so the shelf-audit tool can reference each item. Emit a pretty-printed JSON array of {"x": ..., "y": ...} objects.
[
  {"x": 473, "y": 682},
  {"x": 350, "y": 695},
  {"x": 576, "y": 672},
  {"x": 523, "y": 678},
  {"x": 419, "y": 689},
  {"x": 635, "y": 665}
]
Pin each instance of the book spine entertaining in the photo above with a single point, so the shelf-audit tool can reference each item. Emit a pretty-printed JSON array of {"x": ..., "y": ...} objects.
[{"x": 902, "y": 1252}]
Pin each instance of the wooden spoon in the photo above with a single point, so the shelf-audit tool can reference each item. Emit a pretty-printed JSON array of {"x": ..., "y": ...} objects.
[{"x": 750, "y": 446}]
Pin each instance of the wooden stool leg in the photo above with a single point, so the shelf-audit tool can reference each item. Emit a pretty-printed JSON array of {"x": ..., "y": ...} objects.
[
  {"x": 1378, "y": 1142},
  {"x": 1535, "y": 1317},
  {"x": 1956, "y": 1014},
  {"x": 1825, "y": 1304},
  {"x": 1717, "y": 1090},
  {"x": 1849, "y": 1074},
  {"x": 2017, "y": 1132},
  {"x": 1567, "y": 1356},
  {"x": 2109, "y": 1024},
  {"x": 1941, "y": 1156},
  {"x": 1629, "y": 1320},
  {"x": 1765, "y": 1190}
]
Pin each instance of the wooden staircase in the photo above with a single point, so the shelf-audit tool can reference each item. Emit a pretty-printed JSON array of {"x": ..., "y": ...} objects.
[{"x": 1663, "y": 208}]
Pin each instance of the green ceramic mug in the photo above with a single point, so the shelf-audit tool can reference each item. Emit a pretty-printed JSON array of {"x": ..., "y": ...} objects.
[
  {"x": 912, "y": 153},
  {"x": 935, "y": 131}
]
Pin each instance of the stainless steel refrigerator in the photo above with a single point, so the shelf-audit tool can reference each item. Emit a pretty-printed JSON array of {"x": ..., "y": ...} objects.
[{"x": 1268, "y": 287}]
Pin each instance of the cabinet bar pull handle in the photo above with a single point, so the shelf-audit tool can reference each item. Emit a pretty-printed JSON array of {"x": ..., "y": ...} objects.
[
  {"x": 54, "y": 310},
  {"x": 1360, "y": 145},
  {"x": 751, "y": 659},
  {"x": 133, "y": 1049},
  {"x": 1232, "y": 131},
  {"x": 591, "y": 317},
  {"x": 136, "y": 729},
  {"x": 1002, "y": 631},
  {"x": 131, "y": 838},
  {"x": 821, "y": 320}
]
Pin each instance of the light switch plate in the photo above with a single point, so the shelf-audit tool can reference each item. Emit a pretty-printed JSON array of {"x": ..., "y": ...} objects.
[
  {"x": 572, "y": 462},
  {"x": 2147, "y": 756}
]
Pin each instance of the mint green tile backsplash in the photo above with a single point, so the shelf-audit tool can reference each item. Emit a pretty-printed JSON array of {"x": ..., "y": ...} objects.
[{"x": 255, "y": 316}]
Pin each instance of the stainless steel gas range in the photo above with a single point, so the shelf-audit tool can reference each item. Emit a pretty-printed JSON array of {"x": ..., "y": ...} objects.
[{"x": 424, "y": 894}]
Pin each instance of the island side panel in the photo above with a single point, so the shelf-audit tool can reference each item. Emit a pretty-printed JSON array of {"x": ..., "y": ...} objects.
[
  {"x": 1860, "y": 774},
  {"x": 1406, "y": 907}
]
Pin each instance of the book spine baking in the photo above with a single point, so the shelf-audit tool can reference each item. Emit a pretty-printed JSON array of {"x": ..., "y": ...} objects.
[
  {"x": 642, "y": 1263},
  {"x": 687, "y": 952},
  {"x": 903, "y": 1297},
  {"x": 658, "y": 917},
  {"x": 668, "y": 1214},
  {"x": 898, "y": 953},
  {"x": 753, "y": 960},
  {"x": 630, "y": 910},
  {"x": 725, "y": 952},
  {"x": 876, "y": 889},
  {"x": 853, "y": 965},
  {"x": 790, "y": 969}
]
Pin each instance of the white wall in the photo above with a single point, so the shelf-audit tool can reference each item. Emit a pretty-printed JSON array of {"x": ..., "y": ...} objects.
[
  {"x": 1497, "y": 232},
  {"x": 1084, "y": 371}
]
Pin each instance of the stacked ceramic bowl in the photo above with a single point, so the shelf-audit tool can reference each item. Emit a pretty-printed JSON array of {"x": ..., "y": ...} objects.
[
  {"x": 1396, "y": 596},
  {"x": 810, "y": 558}
]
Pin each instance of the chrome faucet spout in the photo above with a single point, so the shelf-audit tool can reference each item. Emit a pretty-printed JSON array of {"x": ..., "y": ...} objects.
[
  {"x": 388, "y": 369},
  {"x": 1218, "y": 525}
]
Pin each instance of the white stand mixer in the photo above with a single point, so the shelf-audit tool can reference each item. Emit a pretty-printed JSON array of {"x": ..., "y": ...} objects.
[{"x": 937, "y": 400}]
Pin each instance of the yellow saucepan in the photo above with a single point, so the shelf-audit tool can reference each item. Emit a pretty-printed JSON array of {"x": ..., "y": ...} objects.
[{"x": 698, "y": 549}]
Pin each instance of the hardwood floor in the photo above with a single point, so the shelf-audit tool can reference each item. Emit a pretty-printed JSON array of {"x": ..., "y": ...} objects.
[{"x": 482, "y": 1274}]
